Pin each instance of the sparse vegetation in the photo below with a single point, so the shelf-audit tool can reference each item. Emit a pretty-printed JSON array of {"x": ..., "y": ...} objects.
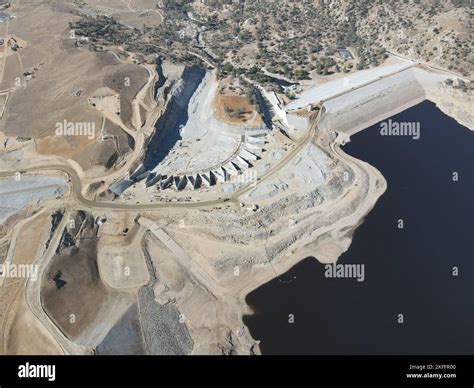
[{"x": 292, "y": 39}]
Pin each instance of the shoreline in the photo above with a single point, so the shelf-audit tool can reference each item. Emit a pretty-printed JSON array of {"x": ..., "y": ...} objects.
[{"x": 378, "y": 244}]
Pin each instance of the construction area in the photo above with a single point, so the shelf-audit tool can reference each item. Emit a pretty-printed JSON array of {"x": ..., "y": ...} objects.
[
  {"x": 211, "y": 154},
  {"x": 196, "y": 189}
]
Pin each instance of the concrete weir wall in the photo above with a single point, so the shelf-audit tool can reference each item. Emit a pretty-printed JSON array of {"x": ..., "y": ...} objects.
[{"x": 363, "y": 107}]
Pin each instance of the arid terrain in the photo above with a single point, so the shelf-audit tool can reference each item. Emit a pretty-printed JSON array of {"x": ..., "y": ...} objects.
[{"x": 161, "y": 159}]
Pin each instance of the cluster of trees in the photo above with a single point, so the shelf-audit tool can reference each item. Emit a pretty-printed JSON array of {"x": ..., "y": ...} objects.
[
  {"x": 459, "y": 84},
  {"x": 254, "y": 73},
  {"x": 104, "y": 29},
  {"x": 177, "y": 5},
  {"x": 252, "y": 98},
  {"x": 235, "y": 113}
]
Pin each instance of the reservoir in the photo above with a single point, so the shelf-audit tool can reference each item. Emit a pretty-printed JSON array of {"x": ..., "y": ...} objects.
[{"x": 417, "y": 295}]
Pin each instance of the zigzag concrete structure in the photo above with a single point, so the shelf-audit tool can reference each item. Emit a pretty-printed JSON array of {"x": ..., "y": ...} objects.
[{"x": 249, "y": 150}]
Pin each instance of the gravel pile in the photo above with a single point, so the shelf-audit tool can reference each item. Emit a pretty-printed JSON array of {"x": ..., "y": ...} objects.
[{"x": 164, "y": 332}]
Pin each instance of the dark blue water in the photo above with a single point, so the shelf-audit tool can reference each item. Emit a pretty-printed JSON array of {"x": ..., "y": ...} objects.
[
  {"x": 176, "y": 116},
  {"x": 407, "y": 271}
]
